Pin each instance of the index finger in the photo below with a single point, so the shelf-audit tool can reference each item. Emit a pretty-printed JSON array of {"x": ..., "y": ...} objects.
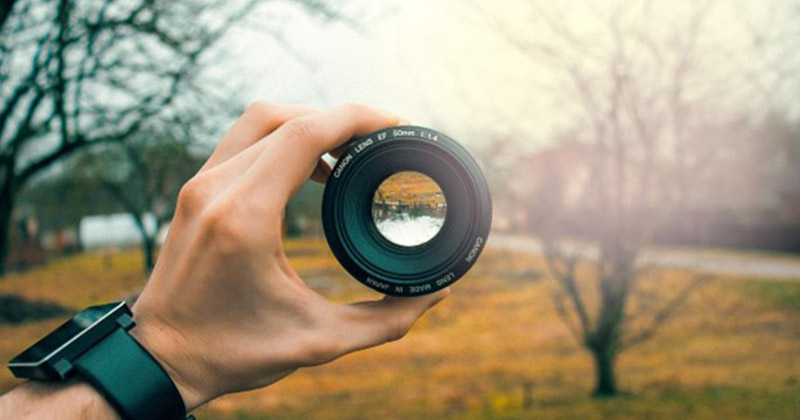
[
  {"x": 258, "y": 120},
  {"x": 293, "y": 150}
]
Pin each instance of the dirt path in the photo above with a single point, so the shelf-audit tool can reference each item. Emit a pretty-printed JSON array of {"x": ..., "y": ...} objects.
[{"x": 746, "y": 264}]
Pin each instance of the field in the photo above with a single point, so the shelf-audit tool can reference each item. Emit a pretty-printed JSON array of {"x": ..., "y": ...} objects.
[
  {"x": 410, "y": 187},
  {"x": 733, "y": 352}
]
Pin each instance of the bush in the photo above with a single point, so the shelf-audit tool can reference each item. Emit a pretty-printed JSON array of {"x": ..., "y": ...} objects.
[{"x": 15, "y": 309}]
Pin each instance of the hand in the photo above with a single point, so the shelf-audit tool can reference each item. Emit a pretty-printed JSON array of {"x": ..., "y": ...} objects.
[{"x": 223, "y": 311}]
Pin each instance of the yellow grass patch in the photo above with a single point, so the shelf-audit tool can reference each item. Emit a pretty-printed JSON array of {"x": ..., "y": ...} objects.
[{"x": 727, "y": 354}]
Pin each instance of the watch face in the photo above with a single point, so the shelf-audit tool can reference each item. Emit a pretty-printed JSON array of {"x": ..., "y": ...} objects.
[{"x": 68, "y": 341}]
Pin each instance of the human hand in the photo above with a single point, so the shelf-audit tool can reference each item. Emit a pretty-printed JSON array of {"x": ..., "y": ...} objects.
[{"x": 223, "y": 310}]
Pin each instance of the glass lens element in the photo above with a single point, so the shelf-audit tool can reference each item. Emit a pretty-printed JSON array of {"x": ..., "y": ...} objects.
[{"x": 409, "y": 208}]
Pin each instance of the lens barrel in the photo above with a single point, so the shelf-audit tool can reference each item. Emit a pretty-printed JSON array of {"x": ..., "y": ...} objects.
[{"x": 374, "y": 260}]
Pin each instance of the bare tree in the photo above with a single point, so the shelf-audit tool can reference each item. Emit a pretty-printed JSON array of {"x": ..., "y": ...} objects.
[
  {"x": 648, "y": 127},
  {"x": 76, "y": 74},
  {"x": 143, "y": 176}
]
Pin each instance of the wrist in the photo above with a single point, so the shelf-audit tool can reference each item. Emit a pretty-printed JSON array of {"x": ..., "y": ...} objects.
[{"x": 171, "y": 352}]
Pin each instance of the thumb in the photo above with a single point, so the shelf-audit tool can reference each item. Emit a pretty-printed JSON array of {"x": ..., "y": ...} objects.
[{"x": 369, "y": 324}]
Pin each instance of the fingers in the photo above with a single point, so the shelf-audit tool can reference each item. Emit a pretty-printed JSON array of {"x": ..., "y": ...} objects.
[
  {"x": 323, "y": 169},
  {"x": 369, "y": 324},
  {"x": 257, "y": 121},
  {"x": 339, "y": 150},
  {"x": 293, "y": 151}
]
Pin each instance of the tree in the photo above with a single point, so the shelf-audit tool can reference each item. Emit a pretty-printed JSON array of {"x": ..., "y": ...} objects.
[
  {"x": 649, "y": 121},
  {"x": 75, "y": 74},
  {"x": 143, "y": 176},
  {"x": 59, "y": 202}
]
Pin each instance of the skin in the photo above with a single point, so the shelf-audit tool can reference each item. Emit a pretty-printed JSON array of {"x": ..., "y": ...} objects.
[{"x": 223, "y": 310}]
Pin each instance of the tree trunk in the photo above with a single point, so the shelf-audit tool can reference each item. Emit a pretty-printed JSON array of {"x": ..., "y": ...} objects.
[
  {"x": 605, "y": 375},
  {"x": 6, "y": 208},
  {"x": 148, "y": 242},
  {"x": 149, "y": 249}
]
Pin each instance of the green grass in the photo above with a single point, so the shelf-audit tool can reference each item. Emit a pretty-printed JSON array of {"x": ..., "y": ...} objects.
[{"x": 779, "y": 294}]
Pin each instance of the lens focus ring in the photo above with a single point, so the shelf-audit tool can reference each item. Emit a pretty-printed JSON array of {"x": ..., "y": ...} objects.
[{"x": 379, "y": 263}]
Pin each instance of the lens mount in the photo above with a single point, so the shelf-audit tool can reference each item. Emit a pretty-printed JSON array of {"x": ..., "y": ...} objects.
[{"x": 374, "y": 260}]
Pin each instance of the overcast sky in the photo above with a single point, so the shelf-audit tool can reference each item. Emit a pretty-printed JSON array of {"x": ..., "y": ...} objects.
[{"x": 443, "y": 64}]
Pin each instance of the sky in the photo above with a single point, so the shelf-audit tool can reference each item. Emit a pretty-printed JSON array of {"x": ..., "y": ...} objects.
[
  {"x": 446, "y": 63},
  {"x": 418, "y": 59}
]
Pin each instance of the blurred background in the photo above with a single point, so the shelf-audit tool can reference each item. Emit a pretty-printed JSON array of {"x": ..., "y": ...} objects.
[{"x": 643, "y": 156}]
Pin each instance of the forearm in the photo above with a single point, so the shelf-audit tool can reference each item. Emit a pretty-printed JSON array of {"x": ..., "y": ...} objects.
[{"x": 43, "y": 400}]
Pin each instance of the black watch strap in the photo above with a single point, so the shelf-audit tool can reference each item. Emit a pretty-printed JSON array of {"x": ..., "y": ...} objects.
[{"x": 130, "y": 379}]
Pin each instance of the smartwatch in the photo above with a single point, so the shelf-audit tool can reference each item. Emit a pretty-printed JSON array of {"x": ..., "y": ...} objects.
[{"x": 95, "y": 345}]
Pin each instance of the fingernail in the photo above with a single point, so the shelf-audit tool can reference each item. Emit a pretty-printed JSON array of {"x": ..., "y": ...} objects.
[{"x": 403, "y": 121}]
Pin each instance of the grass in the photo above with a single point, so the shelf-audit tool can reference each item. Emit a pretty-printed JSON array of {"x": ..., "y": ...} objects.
[
  {"x": 410, "y": 187},
  {"x": 733, "y": 352},
  {"x": 785, "y": 295}
]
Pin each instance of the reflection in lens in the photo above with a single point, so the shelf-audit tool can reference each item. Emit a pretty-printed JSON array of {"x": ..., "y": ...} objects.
[{"x": 409, "y": 208}]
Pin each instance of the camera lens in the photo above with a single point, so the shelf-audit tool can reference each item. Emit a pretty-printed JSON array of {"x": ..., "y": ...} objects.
[{"x": 406, "y": 211}]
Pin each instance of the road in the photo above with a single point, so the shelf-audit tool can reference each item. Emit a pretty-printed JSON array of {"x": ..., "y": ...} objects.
[{"x": 751, "y": 265}]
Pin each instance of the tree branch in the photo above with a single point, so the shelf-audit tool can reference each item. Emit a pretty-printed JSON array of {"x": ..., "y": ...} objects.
[
  {"x": 566, "y": 277},
  {"x": 60, "y": 83},
  {"x": 6, "y": 7},
  {"x": 561, "y": 310},
  {"x": 665, "y": 313},
  {"x": 28, "y": 83}
]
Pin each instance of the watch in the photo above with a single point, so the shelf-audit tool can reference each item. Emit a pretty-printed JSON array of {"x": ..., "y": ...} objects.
[{"x": 95, "y": 345}]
